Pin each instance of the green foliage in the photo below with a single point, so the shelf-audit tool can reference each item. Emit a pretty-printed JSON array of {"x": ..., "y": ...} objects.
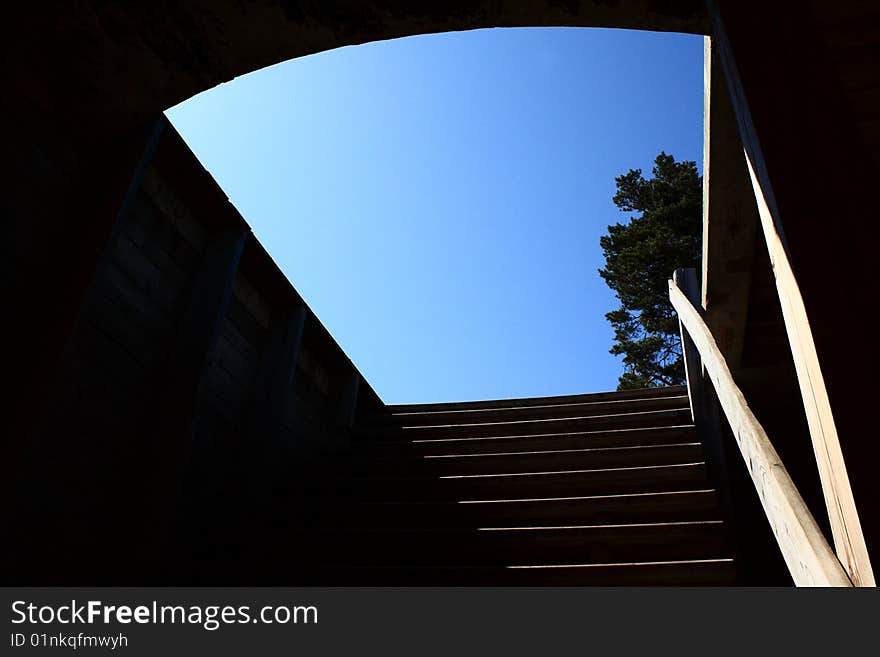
[{"x": 640, "y": 257}]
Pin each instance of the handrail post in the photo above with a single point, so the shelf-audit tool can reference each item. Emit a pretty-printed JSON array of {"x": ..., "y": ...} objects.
[
  {"x": 704, "y": 406},
  {"x": 686, "y": 280}
]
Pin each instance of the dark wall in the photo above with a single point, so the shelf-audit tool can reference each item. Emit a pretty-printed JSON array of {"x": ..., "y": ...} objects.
[
  {"x": 804, "y": 83},
  {"x": 195, "y": 387}
]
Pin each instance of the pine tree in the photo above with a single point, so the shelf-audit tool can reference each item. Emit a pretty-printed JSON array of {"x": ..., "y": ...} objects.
[{"x": 640, "y": 257}]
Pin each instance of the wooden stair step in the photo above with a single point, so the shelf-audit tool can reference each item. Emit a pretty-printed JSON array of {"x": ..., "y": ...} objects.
[
  {"x": 528, "y": 442},
  {"x": 521, "y": 427},
  {"x": 601, "y": 489},
  {"x": 510, "y": 545},
  {"x": 696, "y": 572},
  {"x": 643, "y": 393},
  {"x": 532, "y": 461},
  {"x": 528, "y": 484},
  {"x": 597, "y": 509},
  {"x": 535, "y": 412}
]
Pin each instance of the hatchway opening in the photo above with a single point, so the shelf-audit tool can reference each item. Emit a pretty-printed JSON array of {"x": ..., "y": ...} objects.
[
  {"x": 438, "y": 200},
  {"x": 104, "y": 88}
]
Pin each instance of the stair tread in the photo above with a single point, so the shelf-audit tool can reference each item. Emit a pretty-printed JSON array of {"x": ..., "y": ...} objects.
[
  {"x": 560, "y": 440},
  {"x": 534, "y": 529},
  {"x": 644, "y": 393},
  {"x": 540, "y": 421},
  {"x": 522, "y": 484},
  {"x": 534, "y": 474},
  {"x": 549, "y": 459},
  {"x": 537, "y": 411},
  {"x": 660, "y": 506},
  {"x": 625, "y": 564},
  {"x": 715, "y": 572},
  {"x": 506, "y": 545},
  {"x": 571, "y": 498},
  {"x": 558, "y": 451},
  {"x": 602, "y": 489}
]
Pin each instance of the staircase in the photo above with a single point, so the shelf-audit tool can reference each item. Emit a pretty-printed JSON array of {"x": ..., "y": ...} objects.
[{"x": 599, "y": 489}]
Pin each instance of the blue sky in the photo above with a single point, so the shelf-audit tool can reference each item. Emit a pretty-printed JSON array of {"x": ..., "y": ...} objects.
[{"x": 438, "y": 200}]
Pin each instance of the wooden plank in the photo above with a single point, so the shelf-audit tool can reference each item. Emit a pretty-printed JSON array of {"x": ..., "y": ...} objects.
[
  {"x": 485, "y": 404},
  {"x": 810, "y": 559},
  {"x": 730, "y": 217},
  {"x": 235, "y": 356},
  {"x": 246, "y": 325},
  {"x": 270, "y": 453},
  {"x": 846, "y": 528},
  {"x": 348, "y": 401},
  {"x": 169, "y": 204},
  {"x": 201, "y": 327},
  {"x": 253, "y": 301},
  {"x": 184, "y": 434},
  {"x": 224, "y": 388},
  {"x": 161, "y": 286},
  {"x": 155, "y": 225},
  {"x": 274, "y": 388},
  {"x": 849, "y": 539},
  {"x": 146, "y": 339}
]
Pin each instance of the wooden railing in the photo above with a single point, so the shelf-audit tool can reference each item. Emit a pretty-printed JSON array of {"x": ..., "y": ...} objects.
[
  {"x": 810, "y": 559},
  {"x": 848, "y": 536}
]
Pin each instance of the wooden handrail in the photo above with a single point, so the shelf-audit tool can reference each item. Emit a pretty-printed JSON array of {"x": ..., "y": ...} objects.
[
  {"x": 846, "y": 528},
  {"x": 809, "y": 557},
  {"x": 843, "y": 516}
]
